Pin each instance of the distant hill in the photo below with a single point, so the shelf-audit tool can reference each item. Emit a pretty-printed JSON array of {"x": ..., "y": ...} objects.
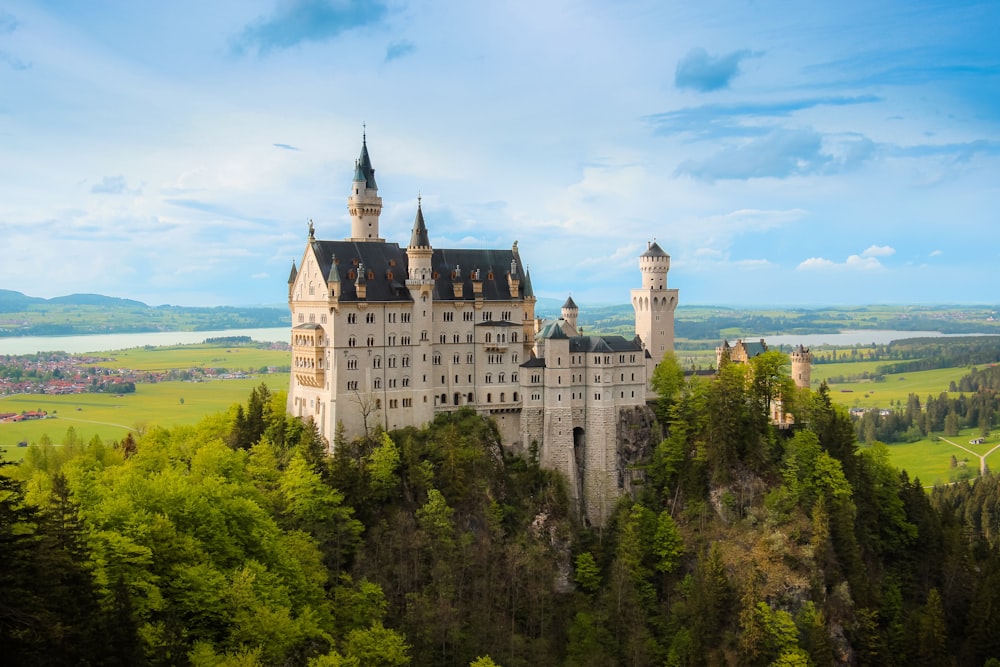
[
  {"x": 97, "y": 300},
  {"x": 22, "y": 315}
]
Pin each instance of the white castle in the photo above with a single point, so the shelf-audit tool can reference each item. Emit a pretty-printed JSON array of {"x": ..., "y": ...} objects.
[{"x": 391, "y": 336}]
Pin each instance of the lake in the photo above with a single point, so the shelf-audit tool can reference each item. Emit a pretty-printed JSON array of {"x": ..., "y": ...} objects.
[
  {"x": 124, "y": 341},
  {"x": 852, "y": 337}
]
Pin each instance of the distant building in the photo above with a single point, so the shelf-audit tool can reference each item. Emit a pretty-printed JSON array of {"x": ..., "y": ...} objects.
[
  {"x": 743, "y": 351},
  {"x": 390, "y": 336}
]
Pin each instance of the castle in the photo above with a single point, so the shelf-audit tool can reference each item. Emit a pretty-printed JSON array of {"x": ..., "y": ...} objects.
[
  {"x": 742, "y": 352},
  {"x": 390, "y": 336}
]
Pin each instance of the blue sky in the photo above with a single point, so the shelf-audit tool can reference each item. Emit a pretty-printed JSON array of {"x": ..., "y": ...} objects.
[{"x": 783, "y": 153}]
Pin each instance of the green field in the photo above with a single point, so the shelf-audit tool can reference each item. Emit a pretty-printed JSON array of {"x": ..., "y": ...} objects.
[
  {"x": 894, "y": 388},
  {"x": 194, "y": 356},
  {"x": 111, "y": 416},
  {"x": 930, "y": 459}
]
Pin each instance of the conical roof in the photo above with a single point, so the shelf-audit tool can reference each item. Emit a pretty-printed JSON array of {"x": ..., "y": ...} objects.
[
  {"x": 363, "y": 170},
  {"x": 419, "y": 238}
]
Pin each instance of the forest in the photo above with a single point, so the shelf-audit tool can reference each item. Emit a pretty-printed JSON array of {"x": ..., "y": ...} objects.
[{"x": 240, "y": 542}]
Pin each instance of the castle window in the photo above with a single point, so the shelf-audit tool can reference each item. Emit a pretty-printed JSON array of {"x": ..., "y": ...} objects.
[
  {"x": 501, "y": 377},
  {"x": 513, "y": 358},
  {"x": 352, "y": 364},
  {"x": 405, "y": 340},
  {"x": 437, "y": 359},
  {"x": 406, "y": 361},
  {"x": 443, "y": 338},
  {"x": 377, "y": 362},
  {"x": 371, "y": 274},
  {"x": 392, "y": 383},
  {"x": 456, "y": 359},
  {"x": 423, "y": 335},
  {"x": 489, "y": 337},
  {"x": 370, "y": 318},
  {"x": 371, "y": 341},
  {"x": 513, "y": 378},
  {"x": 472, "y": 397},
  {"x": 489, "y": 398},
  {"x": 503, "y": 397},
  {"x": 404, "y": 317},
  {"x": 392, "y": 318},
  {"x": 407, "y": 402},
  {"x": 392, "y": 339},
  {"x": 469, "y": 358},
  {"x": 352, "y": 318},
  {"x": 406, "y": 382},
  {"x": 468, "y": 338},
  {"x": 515, "y": 397},
  {"x": 351, "y": 342},
  {"x": 302, "y": 318},
  {"x": 322, "y": 318},
  {"x": 444, "y": 399},
  {"x": 377, "y": 383},
  {"x": 489, "y": 378},
  {"x": 352, "y": 385},
  {"x": 455, "y": 338},
  {"x": 312, "y": 318},
  {"x": 468, "y": 317},
  {"x": 449, "y": 317},
  {"x": 513, "y": 337},
  {"x": 597, "y": 360}
]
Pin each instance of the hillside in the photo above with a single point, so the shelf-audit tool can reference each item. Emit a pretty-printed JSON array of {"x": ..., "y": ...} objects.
[
  {"x": 236, "y": 542},
  {"x": 75, "y": 314}
]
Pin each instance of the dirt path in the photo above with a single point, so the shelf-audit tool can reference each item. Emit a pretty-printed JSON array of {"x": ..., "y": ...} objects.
[{"x": 981, "y": 457}]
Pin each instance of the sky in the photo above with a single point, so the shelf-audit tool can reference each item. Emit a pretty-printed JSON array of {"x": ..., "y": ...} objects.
[{"x": 783, "y": 153}]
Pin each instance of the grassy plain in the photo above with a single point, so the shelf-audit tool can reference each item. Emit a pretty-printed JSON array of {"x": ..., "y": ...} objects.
[
  {"x": 930, "y": 458},
  {"x": 895, "y": 388},
  {"x": 194, "y": 356},
  {"x": 111, "y": 416}
]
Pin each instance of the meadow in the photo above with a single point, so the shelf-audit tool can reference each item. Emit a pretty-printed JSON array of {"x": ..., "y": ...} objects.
[
  {"x": 180, "y": 357},
  {"x": 930, "y": 459},
  {"x": 112, "y": 416}
]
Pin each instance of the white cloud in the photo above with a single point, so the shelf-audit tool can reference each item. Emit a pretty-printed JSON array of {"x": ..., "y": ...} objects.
[
  {"x": 936, "y": 253},
  {"x": 853, "y": 262},
  {"x": 879, "y": 251}
]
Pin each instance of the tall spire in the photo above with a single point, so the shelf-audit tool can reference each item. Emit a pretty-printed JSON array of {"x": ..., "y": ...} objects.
[
  {"x": 364, "y": 204},
  {"x": 363, "y": 170},
  {"x": 419, "y": 238}
]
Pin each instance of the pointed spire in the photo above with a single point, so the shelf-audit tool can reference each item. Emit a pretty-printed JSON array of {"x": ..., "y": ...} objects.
[
  {"x": 294, "y": 273},
  {"x": 570, "y": 304},
  {"x": 419, "y": 238},
  {"x": 363, "y": 170},
  {"x": 527, "y": 283}
]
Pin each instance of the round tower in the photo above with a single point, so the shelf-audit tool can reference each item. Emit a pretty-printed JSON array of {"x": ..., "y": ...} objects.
[
  {"x": 570, "y": 312},
  {"x": 654, "y": 304},
  {"x": 801, "y": 366},
  {"x": 364, "y": 204},
  {"x": 654, "y": 264}
]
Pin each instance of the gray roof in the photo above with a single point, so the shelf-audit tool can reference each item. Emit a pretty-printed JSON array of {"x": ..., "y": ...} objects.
[
  {"x": 570, "y": 304},
  {"x": 654, "y": 251},
  {"x": 603, "y": 344},
  {"x": 363, "y": 170},
  {"x": 419, "y": 239},
  {"x": 386, "y": 268},
  {"x": 552, "y": 330},
  {"x": 294, "y": 273}
]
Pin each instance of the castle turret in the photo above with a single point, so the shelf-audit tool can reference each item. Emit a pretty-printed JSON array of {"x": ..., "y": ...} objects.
[
  {"x": 654, "y": 304},
  {"x": 420, "y": 283},
  {"x": 570, "y": 312},
  {"x": 291, "y": 280},
  {"x": 364, "y": 204},
  {"x": 801, "y": 367}
]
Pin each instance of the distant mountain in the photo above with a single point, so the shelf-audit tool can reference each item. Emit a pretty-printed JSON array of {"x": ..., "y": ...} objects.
[
  {"x": 97, "y": 300},
  {"x": 12, "y": 302},
  {"x": 22, "y": 315}
]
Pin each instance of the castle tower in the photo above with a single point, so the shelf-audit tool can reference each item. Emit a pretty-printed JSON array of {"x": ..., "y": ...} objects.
[
  {"x": 570, "y": 312},
  {"x": 801, "y": 366},
  {"x": 654, "y": 304},
  {"x": 420, "y": 283},
  {"x": 364, "y": 204}
]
